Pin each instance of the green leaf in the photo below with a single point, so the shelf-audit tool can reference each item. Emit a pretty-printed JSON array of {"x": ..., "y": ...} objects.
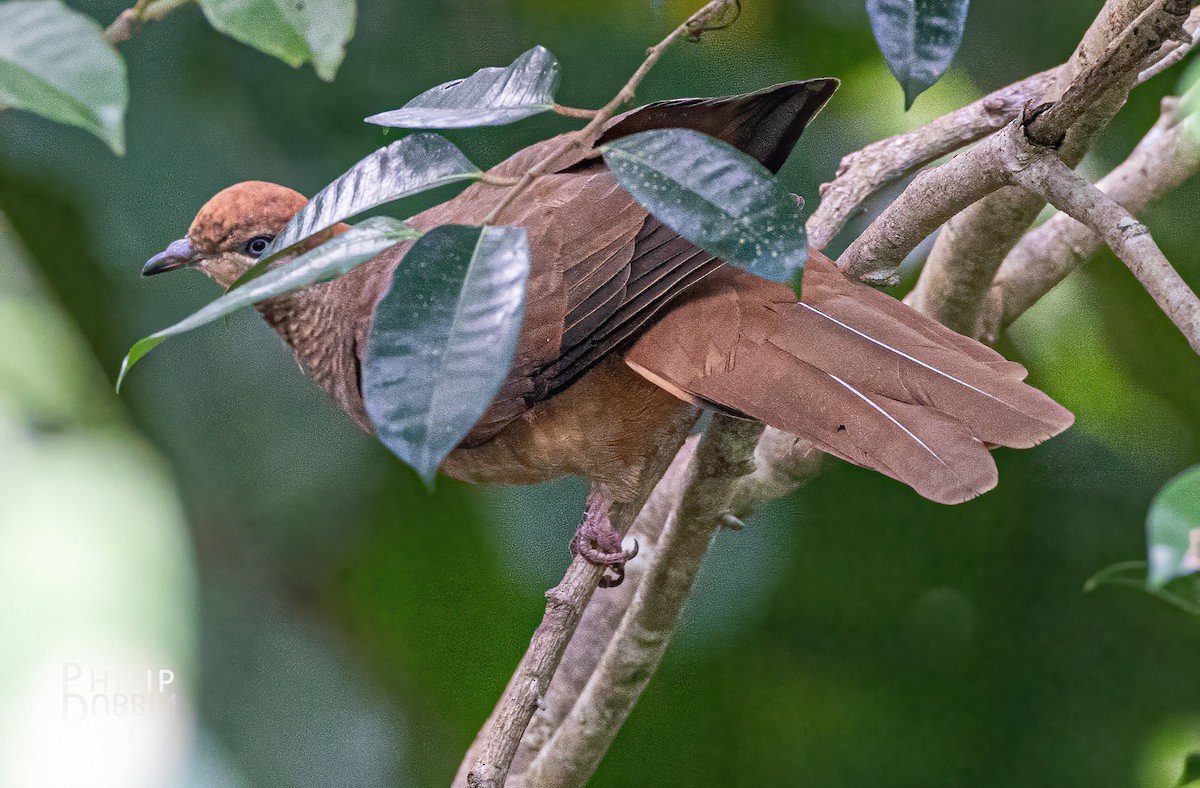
[
  {"x": 1173, "y": 529},
  {"x": 715, "y": 196},
  {"x": 489, "y": 97},
  {"x": 918, "y": 39},
  {"x": 55, "y": 62},
  {"x": 443, "y": 339},
  {"x": 332, "y": 258},
  {"x": 295, "y": 31},
  {"x": 414, "y": 164}
]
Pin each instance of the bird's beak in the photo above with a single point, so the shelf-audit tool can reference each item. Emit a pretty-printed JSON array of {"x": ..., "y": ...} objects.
[{"x": 177, "y": 255}]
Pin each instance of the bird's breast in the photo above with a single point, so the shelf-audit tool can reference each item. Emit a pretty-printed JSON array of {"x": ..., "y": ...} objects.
[{"x": 605, "y": 426}]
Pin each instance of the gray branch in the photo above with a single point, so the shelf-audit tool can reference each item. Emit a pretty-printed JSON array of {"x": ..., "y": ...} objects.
[
  {"x": 781, "y": 462},
  {"x": 864, "y": 172},
  {"x": 1167, "y": 156},
  {"x": 1090, "y": 89},
  {"x": 488, "y": 761},
  {"x": 1118, "y": 66},
  {"x": 574, "y": 751},
  {"x": 1048, "y": 177},
  {"x": 601, "y": 619},
  {"x": 932, "y": 199}
]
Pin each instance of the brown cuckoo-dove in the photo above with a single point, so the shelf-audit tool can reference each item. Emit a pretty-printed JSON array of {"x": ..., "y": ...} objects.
[{"x": 626, "y": 323}]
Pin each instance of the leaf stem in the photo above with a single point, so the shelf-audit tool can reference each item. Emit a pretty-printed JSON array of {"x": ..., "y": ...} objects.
[
  {"x": 498, "y": 180},
  {"x": 574, "y": 112}
]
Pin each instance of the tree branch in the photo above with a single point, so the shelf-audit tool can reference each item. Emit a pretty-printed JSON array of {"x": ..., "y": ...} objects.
[
  {"x": 602, "y": 617},
  {"x": 1167, "y": 156},
  {"x": 967, "y": 254},
  {"x": 782, "y": 464},
  {"x": 864, "y": 172},
  {"x": 1010, "y": 158},
  {"x": 492, "y": 754},
  {"x": 1048, "y": 177},
  {"x": 931, "y": 200},
  {"x": 571, "y": 755},
  {"x": 1120, "y": 64}
]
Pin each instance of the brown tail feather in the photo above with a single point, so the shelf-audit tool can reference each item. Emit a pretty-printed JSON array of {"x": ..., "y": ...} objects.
[
  {"x": 861, "y": 375},
  {"x": 764, "y": 124}
]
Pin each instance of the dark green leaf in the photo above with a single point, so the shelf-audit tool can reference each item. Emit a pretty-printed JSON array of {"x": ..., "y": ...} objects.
[
  {"x": 295, "y": 31},
  {"x": 489, "y": 97},
  {"x": 55, "y": 62},
  {"x": 715, "y": 196},
  {"x": 1173, "y": 529},
  {"x": 443, "y": 339},
  {"x": 918, "y": 39},
  {"x": 414, "y": 164},
  {"x": 332, "y": 258},
  {"x": 1191, "y": 771}
]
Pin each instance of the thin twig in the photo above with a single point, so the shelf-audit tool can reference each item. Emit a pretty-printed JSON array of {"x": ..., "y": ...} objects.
[
  {"x": 694, "y": 25},
  {"x": 1168, "y": 56},
  {"x": 1167, "y": 156},
  {"x": 1173, "y": 56},
  {"x": 131, "y": 19},
  {"x": 1129, "y": 239},
  {"x": 574, "y": 112}
]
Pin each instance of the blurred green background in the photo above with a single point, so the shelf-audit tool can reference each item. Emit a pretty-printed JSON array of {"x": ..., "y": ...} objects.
[{"x": 328, "y": 622}]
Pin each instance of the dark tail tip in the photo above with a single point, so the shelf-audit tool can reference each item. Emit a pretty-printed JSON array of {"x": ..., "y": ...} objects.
[{"x": 764, "y": 124}]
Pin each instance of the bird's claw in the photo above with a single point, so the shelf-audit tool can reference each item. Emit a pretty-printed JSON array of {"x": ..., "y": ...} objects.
[{"x": 599, "y": 543}]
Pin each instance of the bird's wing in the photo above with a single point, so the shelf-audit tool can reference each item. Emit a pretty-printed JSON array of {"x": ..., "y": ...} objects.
[
  {"x": 858, "y": 373},
  {"x": 602, "y": 267}
]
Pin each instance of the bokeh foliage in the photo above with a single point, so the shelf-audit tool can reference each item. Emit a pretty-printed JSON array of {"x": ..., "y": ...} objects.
[{"x": 354, "y": 628}]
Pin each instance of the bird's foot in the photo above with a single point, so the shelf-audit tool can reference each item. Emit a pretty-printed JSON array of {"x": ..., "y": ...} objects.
[{"x": 598, "y": 542}]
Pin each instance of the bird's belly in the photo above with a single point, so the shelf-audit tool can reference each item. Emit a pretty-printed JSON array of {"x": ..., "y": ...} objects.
[{"x": 604, "y": 426}]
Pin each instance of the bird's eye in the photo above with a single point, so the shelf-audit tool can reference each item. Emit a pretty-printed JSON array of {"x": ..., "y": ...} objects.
[{"x": 257, "y": 245}]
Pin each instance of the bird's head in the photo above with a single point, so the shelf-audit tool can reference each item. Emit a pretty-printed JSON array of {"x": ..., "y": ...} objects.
[{"x": 231, "y": 231}]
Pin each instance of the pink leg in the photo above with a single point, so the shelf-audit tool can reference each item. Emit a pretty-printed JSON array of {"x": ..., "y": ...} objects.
[{"x": 598, "y": 542}]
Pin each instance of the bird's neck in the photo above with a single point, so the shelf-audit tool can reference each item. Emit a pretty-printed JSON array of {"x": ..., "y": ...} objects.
[{"x": 311, "y": 321}]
